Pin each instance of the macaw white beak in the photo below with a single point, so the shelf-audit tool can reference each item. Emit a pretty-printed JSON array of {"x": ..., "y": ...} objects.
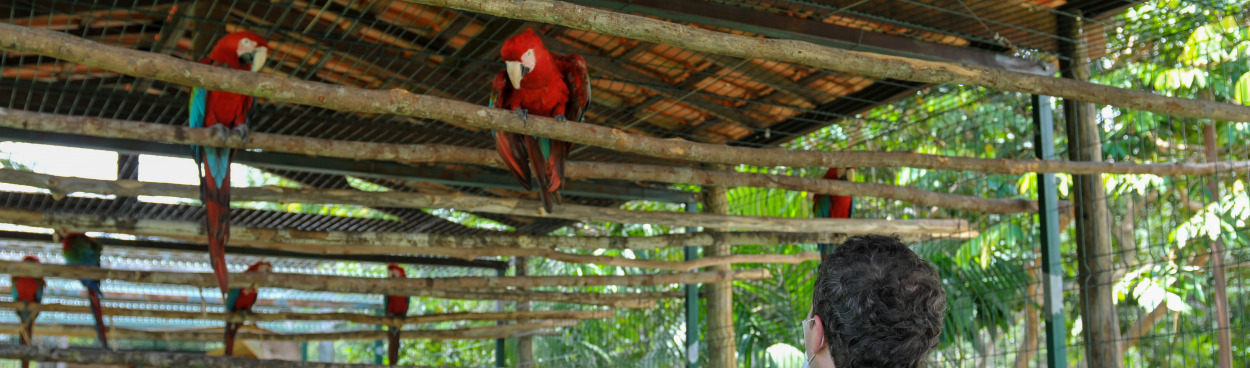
[
  {"x": 259, "y": 55},
  {"x": 516, "y": 71}
]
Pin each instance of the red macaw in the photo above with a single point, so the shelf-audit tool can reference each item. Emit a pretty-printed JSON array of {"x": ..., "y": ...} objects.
[
  {"x": 833, "y": 206},
  {"x": 537, "y": 82},
  {"x": 396, "y": 306},
  {"x": 81, "y": 250},
  {"x": 29, "y": 290},
  {"x": 240, "y": 301},
  {"x": 226, "y": 112}
]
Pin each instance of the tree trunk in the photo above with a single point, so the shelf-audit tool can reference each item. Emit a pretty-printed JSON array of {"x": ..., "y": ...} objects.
[
  {"x": 1089, "y": 198},
  {"x": 342, "y": 98},
  {"x": 722, "y": 351},
  {"x": 60, "y": 186},
  {"x": 1220, "y": 289}
]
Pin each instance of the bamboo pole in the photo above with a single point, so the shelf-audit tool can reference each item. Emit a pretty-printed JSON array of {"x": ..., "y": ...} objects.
[
  {"x": 419, "y": 154},
  {"x": 347, "y": 317},
  {"x": 64, "y": 185},
  {"x": 98, "y": 357},
  {"x": 490, "y": 332},
  {"x": 388, "y": 286},
  {"x": 878, "y": 66},
  {"x": 474, "y": 288},
  {"x": 140, "y": 64}
]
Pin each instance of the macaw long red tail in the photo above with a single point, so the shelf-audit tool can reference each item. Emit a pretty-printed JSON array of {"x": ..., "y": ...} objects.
[
  {"x": 231, "y": 330},
  {"x": 217, "y": 205},
  {"x": 28, "y": 330},
  {"x": 541, "y": 171},
  {"x": 392, "y": 349},
  {"x": 97, "y": 310}
]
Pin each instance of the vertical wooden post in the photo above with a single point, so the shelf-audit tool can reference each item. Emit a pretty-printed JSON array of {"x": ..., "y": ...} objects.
[
  {"x": 720, "y": 319},
  {"x": 524, "y": 344},
  {"x": 1220, "y": 292},
  {"x": 205, "y": 28},
  {"x": 1048, "y": 216},
  {"x": 501, "y": 347},
  {"x": 1101, "y": 326},
  {"x": 692, "y": 302}
]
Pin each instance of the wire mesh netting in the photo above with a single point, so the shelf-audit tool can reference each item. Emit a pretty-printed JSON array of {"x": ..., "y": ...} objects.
[{"x": 1156, "y": 257}]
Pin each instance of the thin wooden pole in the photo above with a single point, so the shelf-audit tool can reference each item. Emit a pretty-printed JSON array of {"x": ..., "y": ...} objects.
[
  {"x": 141, "y": 64},
  {"x": 387, "y": 286},
  {"x": 346, "y": 317},
  {"x": 488, "y": 332},
  {"x": 1095, "y": 269},
  {"x": 64, "y": 185},
  {"x": 98, "y": 357},
  {"x": 412, "y": 287},
  {"x": 524, "y": 344},
  {"x": 722, "y": 351},
  {"x": 418, "y": 154}
]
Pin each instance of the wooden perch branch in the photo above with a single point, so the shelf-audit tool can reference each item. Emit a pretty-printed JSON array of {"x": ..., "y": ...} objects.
[
  {"x": 619, "y": 300},
  {"x": 348, "y": 317},
  {"x": 491, "y": 332},
  {"x": 65, "y": 185},
  {"x": 418, "y": 154},
  {"x": 415, "y": 243},
  {"x": 805, "y": 53},
  {"x": 153, "y": 359},
  {"x": 98, "y": 357},
  {"x": 341, "y": 98},
  {"x": 476, "y": 288}
]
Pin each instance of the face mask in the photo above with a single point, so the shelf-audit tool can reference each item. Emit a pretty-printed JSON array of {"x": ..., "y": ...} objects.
[{"x": 808, "y": 357}]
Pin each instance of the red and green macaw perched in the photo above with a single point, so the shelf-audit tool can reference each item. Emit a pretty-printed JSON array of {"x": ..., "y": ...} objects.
[
  {"x": 81, "y": 250},
  {"x": 29, "y": 290},
  {"x": 396, "y": 306},
  {"x": 240, "y": 301},
  {"x": 833, "y": 206},
  {"x": 537, "y": 82},
  {"x": 226, "y": 112}
]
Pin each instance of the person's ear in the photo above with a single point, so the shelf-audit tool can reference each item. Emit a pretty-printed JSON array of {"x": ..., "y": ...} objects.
[{"x": 815, "y": 339}]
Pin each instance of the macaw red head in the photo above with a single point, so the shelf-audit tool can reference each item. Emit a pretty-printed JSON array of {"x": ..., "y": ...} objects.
[
  {"x": 31, "y": 259},
  {"x": 835, "y": 173},
  {"x": 259, "y": 267},
  {"x": 395, "y": 271},
  {"x": 68, "y": 239},
  {"x": 241, "y": 50},
  {"x": 524, "y": 54}
]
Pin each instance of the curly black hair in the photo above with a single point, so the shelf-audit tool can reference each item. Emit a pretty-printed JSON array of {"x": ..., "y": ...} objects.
[{"x": 881, "y": 304}]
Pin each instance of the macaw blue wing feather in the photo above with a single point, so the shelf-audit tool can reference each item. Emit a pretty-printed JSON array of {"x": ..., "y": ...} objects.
[
  {"x": 232, "y": 298},
  {"x": 199, "y": 104}
]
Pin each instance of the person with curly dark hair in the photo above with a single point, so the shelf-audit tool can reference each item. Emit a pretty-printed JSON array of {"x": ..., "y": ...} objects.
[{"x": 876, "y": 304}]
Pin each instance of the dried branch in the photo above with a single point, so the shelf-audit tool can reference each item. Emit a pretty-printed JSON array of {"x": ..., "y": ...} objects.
[
  {"x": 65, "y": 185},
  {"x": 419, "y": 154},
  {"x": 341, "y": 98},
  {"x": 348, "y": 317}
]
